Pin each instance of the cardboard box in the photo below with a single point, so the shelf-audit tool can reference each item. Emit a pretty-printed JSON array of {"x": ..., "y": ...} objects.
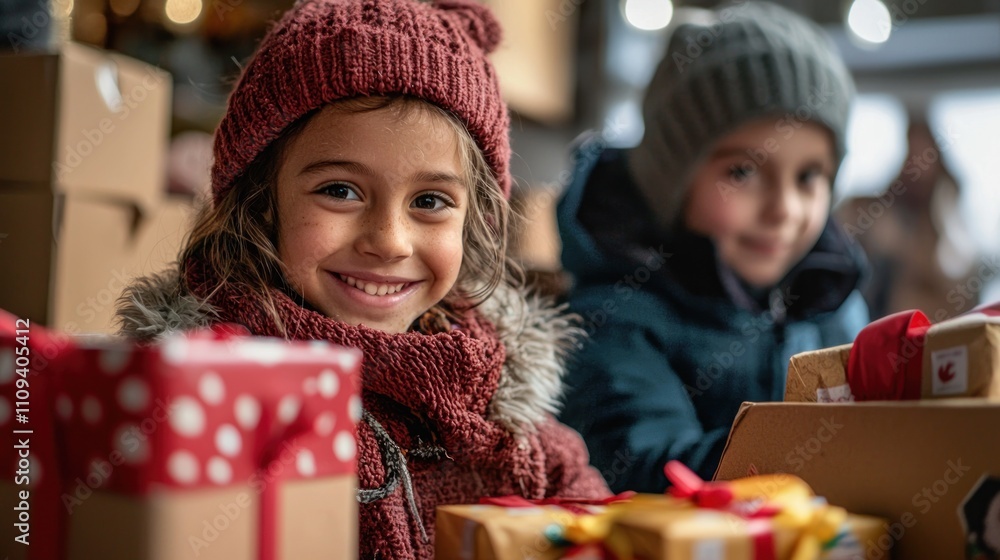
[
  {"x": 81, "y": 182},
  {"x": 84, "y": 121},
  {"x": 819, "y": 376},
  {"x": 188, "y": 449},
  {"x": 484, "y": 532},
  {"x": 962, "y": 357},
  {"x": 959, "y": 357},
  {"x": 68, "y": 258},
  {"x": 535, "y": 60},
  {"x": 912, "y": 463}
]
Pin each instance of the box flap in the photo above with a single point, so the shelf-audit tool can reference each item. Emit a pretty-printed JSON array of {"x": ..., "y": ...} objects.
[
  {"x": 94, "y": 124},
  {"x": 910, "y": 462},
  {"x": 819, "y": 376}
]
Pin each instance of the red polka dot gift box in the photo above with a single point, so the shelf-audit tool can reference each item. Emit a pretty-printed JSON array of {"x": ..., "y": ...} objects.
[{"x": 210, "y": 445}]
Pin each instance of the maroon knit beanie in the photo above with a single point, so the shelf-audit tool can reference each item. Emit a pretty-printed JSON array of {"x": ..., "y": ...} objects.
[{"x": 325, "y": 50}]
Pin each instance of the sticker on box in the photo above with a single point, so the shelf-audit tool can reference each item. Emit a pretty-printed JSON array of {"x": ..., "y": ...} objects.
[
  {"x": 708, "y": 549},
  {"x": 837, "y": 394},
  {"x": 950, "y": 371}
]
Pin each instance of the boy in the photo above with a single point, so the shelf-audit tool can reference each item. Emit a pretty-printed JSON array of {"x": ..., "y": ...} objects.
[{"x": 705, "y": 256}]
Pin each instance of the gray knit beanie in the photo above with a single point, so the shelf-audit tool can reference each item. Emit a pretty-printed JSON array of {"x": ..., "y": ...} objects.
[{"x": 754, "y": 59}]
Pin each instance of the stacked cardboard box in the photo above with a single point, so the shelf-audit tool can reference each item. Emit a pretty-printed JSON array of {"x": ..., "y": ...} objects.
[{"x": 82, "y": 208}]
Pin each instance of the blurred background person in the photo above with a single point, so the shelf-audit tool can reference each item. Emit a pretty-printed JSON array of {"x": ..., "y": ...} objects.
[
  {"x": 706, "y": 256},
  {"x": 914, "y": 235}
]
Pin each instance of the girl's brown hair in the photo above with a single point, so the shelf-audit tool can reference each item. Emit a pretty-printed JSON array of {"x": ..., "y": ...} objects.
[{"x": 235, "y": 240}]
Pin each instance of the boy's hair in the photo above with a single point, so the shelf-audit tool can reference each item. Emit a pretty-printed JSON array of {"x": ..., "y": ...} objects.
[
  {"x": 235, "y": 239},
  {"x": 747, "y": 60}
]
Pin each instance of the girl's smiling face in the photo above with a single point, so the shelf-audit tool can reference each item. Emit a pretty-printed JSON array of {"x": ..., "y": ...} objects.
[{"x": 371, "y": 213}]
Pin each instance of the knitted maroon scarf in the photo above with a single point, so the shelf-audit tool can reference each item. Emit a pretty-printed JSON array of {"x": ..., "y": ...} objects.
[{"x": 446, "y": 379}]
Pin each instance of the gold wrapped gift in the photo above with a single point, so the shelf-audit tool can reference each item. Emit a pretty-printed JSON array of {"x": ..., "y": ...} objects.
[{"x": 488, "y": 532}]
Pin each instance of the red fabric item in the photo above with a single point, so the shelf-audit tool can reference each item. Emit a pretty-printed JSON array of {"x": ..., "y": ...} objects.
[
  {"x": 325, "y": 50},
  {"x": 574, "y": 505},
  {"x": 429, "y": 389},
  {"x": 686, "y": 484},
  {"x": 887, "y": 358}
]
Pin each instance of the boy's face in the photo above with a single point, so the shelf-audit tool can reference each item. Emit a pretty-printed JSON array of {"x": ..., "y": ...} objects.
[
  {"x": 763, "y": 196},
  {"x": 371, "y": 208}
]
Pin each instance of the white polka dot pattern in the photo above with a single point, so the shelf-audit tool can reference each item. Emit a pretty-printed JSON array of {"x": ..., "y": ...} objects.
[
  {"x": 288, "y": 409},
  {"x": 211, "y": 388},
  {"x": 174, "y": 350},
  {"x": 5, "y": 410},
  {"x": 354, "y": 408},
  {"x": 328, "y": 384},
  {"x": 247, "y": 411},
  {"x": 264, "y": 352},
  {"x": 309, "y": 386},
  {"x": 187, "y": 417},
  {"x": 182, "y": 466},
  {"x": 228, "y": 440},
  {"x": 347, "y": 360},
  {"x": 324, "y": 424},
  {"x": 113, "y": 360},
  {"x": 219, "y": 471},
  {"x": 6, "y": 366},
  {"x": 64, "y": 406},
  {"x": 133, "y": 447},
  {"x": 36, "y": 472},
  {"x": 90, "y": 409},
  {"x": 305, "y": 463},
  {"x": 344, "y": 447},
  {"x": 133, "y": 394}
]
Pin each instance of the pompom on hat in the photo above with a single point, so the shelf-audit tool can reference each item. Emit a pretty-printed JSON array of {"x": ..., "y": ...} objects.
[
  {"x": 322, "y": 51},
  {"x": 746, "y": 60}
]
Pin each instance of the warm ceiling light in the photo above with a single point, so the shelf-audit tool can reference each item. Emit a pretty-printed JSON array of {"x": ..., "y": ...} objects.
[
  {"x": 183, "y": 11},
  {"x": 869, "y": 20},
  {"x": 124, "y": 8},
  {"x": 649, "y": 15}
]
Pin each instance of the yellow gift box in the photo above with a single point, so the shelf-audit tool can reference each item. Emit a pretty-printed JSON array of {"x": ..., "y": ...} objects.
[
  {"x": 773, "y": 517},
  {"x": 649, "y": 527},
  {"x": 658, "y": 527}
]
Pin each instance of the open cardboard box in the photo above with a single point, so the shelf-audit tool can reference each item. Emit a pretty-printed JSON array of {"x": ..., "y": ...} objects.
[
  {"x": 82, "y": 208},
  {"x": 914, "y": 463}
]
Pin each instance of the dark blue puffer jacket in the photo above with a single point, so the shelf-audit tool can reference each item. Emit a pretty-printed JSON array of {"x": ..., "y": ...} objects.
[{"x": 671, "y": 354}]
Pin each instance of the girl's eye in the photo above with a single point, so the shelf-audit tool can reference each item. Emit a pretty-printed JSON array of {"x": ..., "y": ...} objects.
[
  {"x": 342, "y": 191},
  {"x": 433, "y": 202},
  {"x": 740, "y": 173}
]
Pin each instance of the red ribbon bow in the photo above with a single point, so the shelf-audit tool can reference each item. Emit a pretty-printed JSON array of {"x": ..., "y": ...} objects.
[
  {"x": 686, "y": 484},
  {"x": 887, "y": 358},
  {"x": 573, "y": 505}
]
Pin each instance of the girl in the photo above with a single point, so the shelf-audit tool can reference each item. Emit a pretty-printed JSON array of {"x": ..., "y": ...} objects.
[
  {"x": 705, "y": 256},
  {"x": 360, "y": 196}
]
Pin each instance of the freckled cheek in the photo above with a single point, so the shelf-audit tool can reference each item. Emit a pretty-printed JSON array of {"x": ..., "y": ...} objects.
[
  {"x": 302, "y": 245},
  {"x": 445, "y": 248}
]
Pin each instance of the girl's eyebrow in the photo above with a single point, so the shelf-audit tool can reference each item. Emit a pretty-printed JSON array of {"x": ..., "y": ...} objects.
[
  {"x": 438, "y": 177},
  {"x": 349, "y": 166},
  {"x": 359, "y": 168}
]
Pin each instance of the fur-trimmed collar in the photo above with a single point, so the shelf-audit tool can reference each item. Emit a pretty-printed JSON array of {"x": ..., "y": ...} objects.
[{"x": 537, "y": 337}]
